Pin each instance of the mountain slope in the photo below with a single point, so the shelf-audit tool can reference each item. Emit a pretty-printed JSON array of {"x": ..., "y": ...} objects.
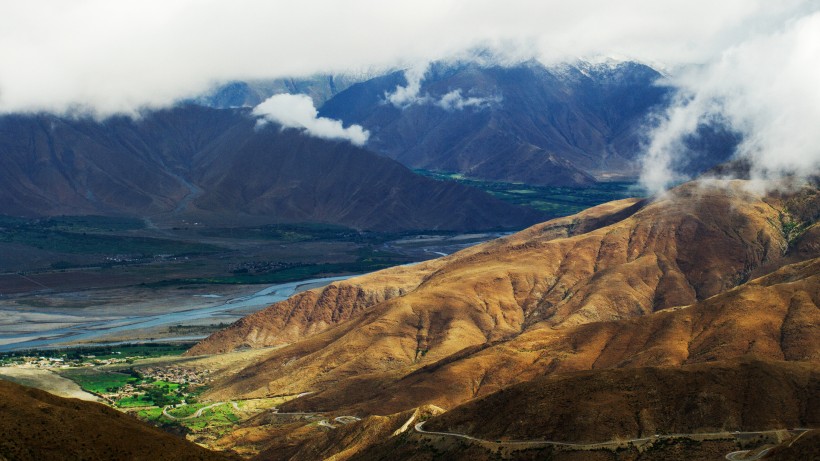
[
  {"x": 251, "y": 93},
  {"x": 39, "y": 426},
  {"x": 207, "y": 164},
  {"x": 599, "y": 405},
  {"x": 559, "y": 126},
  {"x": 621, "y": 259},
  {"x": 626, "y": 404},
  {"x": 548, "y": 300},
  {"x": 706, "y": 298}
]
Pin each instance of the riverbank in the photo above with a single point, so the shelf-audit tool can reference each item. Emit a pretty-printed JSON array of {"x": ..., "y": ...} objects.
[{"x": 157, "y": 319}]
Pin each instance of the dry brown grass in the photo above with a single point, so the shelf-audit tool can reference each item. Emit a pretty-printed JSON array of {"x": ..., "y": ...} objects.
[
  {"x": 38, "y": 426},
  {"x": 623, "y": 285}
]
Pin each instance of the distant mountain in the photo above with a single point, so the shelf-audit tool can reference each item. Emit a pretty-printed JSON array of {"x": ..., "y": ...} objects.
[
  {"x": 217, "y": 166},
  {"x": 562, "y": 125},
  {"x": 249, "y": 93}
]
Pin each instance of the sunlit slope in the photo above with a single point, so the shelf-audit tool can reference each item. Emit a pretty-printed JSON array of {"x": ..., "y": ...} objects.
[{"x": 552, "y": 299}]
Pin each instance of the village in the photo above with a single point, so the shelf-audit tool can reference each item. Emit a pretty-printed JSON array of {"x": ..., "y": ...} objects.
[{"x": 115, "y": 376}]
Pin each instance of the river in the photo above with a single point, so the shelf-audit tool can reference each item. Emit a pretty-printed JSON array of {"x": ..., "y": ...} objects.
[{"x": 88, "y": 331}]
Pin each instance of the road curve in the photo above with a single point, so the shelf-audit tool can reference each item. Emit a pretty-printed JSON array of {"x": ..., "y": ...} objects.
[
  {"x": 419, "y": 427},
  {"x": 741, "y": 455},
  {"x": 196, "y": 414}
]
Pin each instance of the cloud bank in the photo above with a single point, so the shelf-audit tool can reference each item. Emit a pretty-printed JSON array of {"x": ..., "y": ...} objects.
[
  {"x": 750, "y": 63},
  {"x": 119, "y": 57},
  {"x": 410, "y": 94},
  {"x": 767, "y": 88},
  {"x": 297, "y": 111}
]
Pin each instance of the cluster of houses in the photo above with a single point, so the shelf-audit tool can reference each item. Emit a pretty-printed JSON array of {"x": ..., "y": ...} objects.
[
  {"x": 61, "y": 362},
  {"x": 179, "y": 375}
]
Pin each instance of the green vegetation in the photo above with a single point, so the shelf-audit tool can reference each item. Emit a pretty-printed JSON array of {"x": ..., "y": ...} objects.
[
  {"x": 99, "y": 381},
  {"x": 792, "y": 228},
  {"x": 306, "y": 232},
  {"x": 132, "y": 401},
  {"x": 151, "y": 414},
  {"x": 217, "y": 419},
  {"x": 76, "y": 223},
  {"x": 368, "y": 260},
  {"x": 77, "y": 356},
  {"x": 93, "y": 235},
  {"x": 556, "y": 201},
  {"x": 86, "y": 243}
]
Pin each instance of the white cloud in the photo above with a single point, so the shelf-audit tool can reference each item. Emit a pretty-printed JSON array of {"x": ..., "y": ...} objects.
[
  {"x": 752, "y": 62},
  {"x": 297, "y": 111},
  {"x": 455, "y": 101},
  {"x": 765, "y": 88},
  {"x": 130, "y": 54},
  {"x": 410, "y": 94}
]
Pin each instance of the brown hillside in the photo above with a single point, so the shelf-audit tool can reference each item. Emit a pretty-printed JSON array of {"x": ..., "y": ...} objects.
[
  {"x": 316, "y": 310},
  {"x": 806, "y": 447},
  {"x": 594, "y": 406},
  {"x": 511, "y": 309},
  {"x": 775, "y": 317},
  {"x": 314, "y": 442},
  {"x": 38, "y": 426}
]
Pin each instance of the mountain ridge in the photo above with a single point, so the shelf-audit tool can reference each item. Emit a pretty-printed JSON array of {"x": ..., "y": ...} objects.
[
  {"x": 560, "y": 125},
  {"x": 198, "y": 163},
  {"x": 512, "y": 309}
]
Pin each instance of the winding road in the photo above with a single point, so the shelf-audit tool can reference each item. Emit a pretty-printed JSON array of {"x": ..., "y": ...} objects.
[
  {"x": 741, "y": 455},
  {"x": 196, "y": 414},
  {"x": 734, "y": 456}
]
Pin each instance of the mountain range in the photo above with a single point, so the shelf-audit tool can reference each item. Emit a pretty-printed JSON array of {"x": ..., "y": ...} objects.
[
  {"x": 677, "y": 327},
  {"x": 567, "y": 124},
  {"x": 664, "y": 288},
  {"x": 218, "y": 166}
]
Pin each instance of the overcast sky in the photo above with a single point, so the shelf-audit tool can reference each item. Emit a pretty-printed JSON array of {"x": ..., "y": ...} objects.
[{"x": 754, "y": 61}]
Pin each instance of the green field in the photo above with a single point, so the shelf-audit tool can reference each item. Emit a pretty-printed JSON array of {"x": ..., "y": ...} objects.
[
  {"x": 555, "y": 201},
  {"x": 75, "y": 223},
  {"x": 99, "y": 381},
  {"x": 133, "y": 401},
  {"x": 89, "y": 243},
  {"x": 368, "y": 260},
  {"x": 83, "y": 354},
  {"x": 289, "y": 233}
]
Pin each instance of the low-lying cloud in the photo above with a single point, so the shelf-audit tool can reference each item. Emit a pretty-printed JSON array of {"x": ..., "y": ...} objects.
[
  {"x": 765, "y": 88},
  {"x": 749, "y": 63},
  {"x": 297, "y": 111},
  {"x": 106, "y": 57},
  {"x": 455, "y": 101},
  {"x": 410, "y": 94}
]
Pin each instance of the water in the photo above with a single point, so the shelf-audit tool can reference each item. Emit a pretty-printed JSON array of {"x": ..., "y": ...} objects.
[{"x": 95, "y": 329}]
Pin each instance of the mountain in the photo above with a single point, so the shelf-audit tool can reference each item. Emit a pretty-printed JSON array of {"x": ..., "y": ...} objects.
[
  {"x": 643, "y": 401},
  {"x": 561, "y": 125},
  {"x": 618, "y": 260},
  {"x": 217, "y": 166},
  {"x": 39, "y": 426},
  {"x": 641, "y": 404},
  {"x": 656, "y": 290},
  {"x": 250, "y": 93}
]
